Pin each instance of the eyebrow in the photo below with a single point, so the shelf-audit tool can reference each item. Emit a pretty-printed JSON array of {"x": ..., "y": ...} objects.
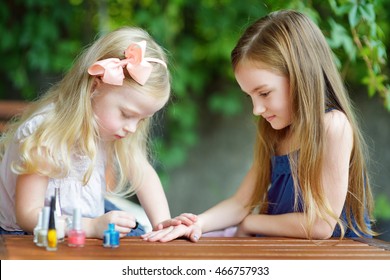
[
  {"x": 256, "y": 89},
  {"x": 131, "y": 111},
  {"x": 128, "y": 109}
]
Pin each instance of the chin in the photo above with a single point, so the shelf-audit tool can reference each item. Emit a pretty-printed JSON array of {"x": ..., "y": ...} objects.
[{"x": 279, "y": 127}]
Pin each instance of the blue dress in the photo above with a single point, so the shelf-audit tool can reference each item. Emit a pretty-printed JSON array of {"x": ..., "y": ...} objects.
[{"x": 281, "y": 195}]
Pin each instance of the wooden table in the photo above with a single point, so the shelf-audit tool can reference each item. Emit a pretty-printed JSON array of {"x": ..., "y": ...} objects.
[{"x": 23, "y": 248}]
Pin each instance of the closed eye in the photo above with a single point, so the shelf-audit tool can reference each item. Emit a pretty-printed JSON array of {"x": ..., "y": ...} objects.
[
  {"x": 264, "y": 94},
  {"x": 125, "y": 115}
]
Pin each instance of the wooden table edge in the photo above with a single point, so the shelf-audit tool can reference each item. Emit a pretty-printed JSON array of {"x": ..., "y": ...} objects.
[{"x": 374, "y": 242}]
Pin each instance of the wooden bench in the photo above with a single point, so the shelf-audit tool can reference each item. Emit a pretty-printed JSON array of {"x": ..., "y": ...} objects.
[{"x": 9, "y": 109}]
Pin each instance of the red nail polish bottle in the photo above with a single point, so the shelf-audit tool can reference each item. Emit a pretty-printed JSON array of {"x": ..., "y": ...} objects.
[{"x": 76, "y": 235}]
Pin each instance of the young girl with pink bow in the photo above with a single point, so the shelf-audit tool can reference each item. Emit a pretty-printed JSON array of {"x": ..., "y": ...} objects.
[{"x": 99, "y": 113}]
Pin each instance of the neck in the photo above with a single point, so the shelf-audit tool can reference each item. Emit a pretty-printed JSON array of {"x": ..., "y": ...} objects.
[{"x": 287, "y": 143}]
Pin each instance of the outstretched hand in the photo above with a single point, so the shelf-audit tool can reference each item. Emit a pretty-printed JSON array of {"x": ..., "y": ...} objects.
[
  {"x": 185, "y": 219},
  {"x": 192, "y": 232}
]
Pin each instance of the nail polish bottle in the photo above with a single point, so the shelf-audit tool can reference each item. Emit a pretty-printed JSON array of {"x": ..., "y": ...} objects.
[
  {"x": 76, "y": 235},
  {"x": 57, "y": 201},
  {"x": 38, "y": 227},
  {"x": 52, "y": 232},
  {"x": 60, "y": 227},
  {"x": 111, "y": 237},
  {"x": 59, "y": 219},
  {"x": 42, "y": 233}
]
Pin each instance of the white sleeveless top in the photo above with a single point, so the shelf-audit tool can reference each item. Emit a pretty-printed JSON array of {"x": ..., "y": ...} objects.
[{"x": 89, "y": 198}]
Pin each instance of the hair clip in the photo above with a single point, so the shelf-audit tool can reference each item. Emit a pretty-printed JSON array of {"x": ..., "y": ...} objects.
[{"x": 138, "y": 66}]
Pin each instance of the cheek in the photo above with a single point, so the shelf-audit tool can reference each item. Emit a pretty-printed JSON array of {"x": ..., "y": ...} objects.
[
  {"x": 288, "y": 112},
  {"x": 108, "y": 121}
]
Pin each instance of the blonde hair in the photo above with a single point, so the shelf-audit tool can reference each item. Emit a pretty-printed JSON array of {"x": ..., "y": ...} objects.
[
  {"x": 291, "y": 44},
  {"x": 71, "y": 126}
]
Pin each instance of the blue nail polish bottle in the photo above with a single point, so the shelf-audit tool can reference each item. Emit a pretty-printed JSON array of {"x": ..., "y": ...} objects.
[{"x": 111, "y": 237}]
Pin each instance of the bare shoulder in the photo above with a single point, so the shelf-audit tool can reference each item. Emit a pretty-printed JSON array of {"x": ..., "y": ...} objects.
[
  {"x": 336, "y": 121},
  {"x": 338, "y": 130}
]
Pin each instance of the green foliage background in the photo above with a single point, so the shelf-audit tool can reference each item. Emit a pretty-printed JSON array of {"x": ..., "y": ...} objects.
[{"x": 41, "y": 38}]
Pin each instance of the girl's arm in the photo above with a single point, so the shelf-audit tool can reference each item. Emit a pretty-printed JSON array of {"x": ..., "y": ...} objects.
[
  {"x": 225, "y": 214},
  {"x": 152, "y": 197},
  {"x": 29, "y": 199},
  {"x": 338, "y": 147},
  {"x": 286, "y": 225}
]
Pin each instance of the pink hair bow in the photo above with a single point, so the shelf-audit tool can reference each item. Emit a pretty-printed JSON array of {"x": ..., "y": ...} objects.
[{"x": 138, "y": 66}]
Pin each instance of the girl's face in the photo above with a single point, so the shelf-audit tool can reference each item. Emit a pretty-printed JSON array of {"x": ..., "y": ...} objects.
[
  {"x": 119, "y": 109},
  {"x": 270, "y": 93}
]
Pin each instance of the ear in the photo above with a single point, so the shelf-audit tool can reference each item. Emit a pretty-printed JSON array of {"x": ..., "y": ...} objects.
[{"x": 95, "y": 84}]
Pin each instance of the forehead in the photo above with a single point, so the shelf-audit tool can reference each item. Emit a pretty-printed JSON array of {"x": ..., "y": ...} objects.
[
  {"x": 254, "y": 75},
  {"x": 142, "y": 103},
  {"x": 129, "y": 98}
]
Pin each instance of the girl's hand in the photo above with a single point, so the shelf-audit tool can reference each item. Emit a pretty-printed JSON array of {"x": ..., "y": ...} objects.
[
  {"x": 124, "y": 223},
  {"x": 192, "y": 232},
  {"x": 185, "y": 219}
]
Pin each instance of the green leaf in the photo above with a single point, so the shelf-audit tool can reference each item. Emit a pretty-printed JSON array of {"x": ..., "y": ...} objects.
[
  {"x": 368, "y": 13},
  {"x": 353, "y": 16}
]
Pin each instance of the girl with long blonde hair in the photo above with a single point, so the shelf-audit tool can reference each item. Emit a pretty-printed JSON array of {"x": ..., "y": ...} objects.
[{"x": 100, "y": 113}]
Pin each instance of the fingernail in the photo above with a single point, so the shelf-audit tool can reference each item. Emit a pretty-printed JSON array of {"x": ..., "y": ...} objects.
[{"x": 195, "y": 237}]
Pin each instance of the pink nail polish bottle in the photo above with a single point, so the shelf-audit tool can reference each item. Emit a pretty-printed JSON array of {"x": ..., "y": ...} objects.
[{"x": 76, "y": 235}]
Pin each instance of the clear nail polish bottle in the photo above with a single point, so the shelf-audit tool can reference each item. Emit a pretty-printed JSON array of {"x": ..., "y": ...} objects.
[
  {"x": 38, "y": 227},
  {"x": 42, "y": 233}
]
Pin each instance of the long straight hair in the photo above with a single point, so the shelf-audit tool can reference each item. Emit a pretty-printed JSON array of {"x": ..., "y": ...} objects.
[
  {"x": 71, "y": 127},
  {"x": 290, "y": 44}
]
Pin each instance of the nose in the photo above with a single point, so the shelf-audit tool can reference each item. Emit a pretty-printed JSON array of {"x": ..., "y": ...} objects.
[
  {"x": 258, "y": 108},
  {"x": 131, "y": 126}
]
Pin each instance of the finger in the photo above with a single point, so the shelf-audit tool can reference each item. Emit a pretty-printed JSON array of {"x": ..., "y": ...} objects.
[
  {"x": 190, "y": 216},
  {"x": 146, "y": 235},
  {"x": 186, "y": 220},
  {"x": 168, "y": 223},
  {"x": 150, "y": 233},
  {"x": 121, "y": 218},
  {"x": 122, "y": 230},
  {"x": 175, "y": 222},
  {"x": 195, "y": 235},
  {"x": 157, "y": 235},
  {"x": 120, "y": 214},
  {"x": 125, "y": 222},
  {"x": 173, "y": 234}
]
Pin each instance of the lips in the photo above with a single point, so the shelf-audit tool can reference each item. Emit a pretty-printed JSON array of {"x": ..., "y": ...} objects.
[{"x": 270, "y": 118}]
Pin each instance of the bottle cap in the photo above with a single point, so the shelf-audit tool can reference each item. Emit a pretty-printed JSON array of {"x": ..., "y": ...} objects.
[
  {"x": 76, "y": 219},
  {"x": 52, "y": 224},
  {"x": 45, "y": 217},
  {"x": 57, "y": 201},
  {"x": 40, "y": 216}
]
